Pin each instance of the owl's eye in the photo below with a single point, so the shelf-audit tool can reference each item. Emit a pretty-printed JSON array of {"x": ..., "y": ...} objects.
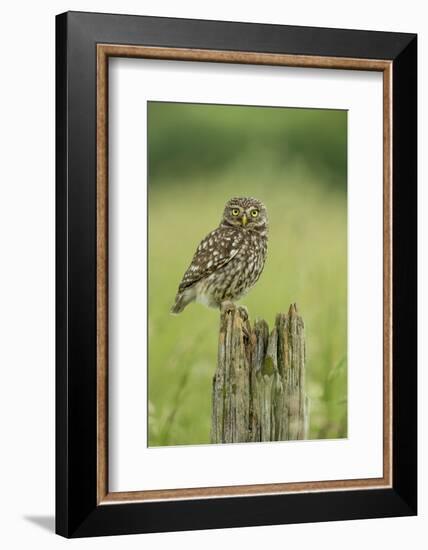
[
  {"x": 254, "y": 213},
  {"x": 235, "y": 211}
]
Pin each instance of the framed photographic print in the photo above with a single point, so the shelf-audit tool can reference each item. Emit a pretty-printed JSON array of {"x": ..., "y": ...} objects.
[{"x": 236, "y": 274}]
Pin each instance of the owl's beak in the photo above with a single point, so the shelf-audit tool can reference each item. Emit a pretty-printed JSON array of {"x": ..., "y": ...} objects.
[{"x": 244, "y": 220}]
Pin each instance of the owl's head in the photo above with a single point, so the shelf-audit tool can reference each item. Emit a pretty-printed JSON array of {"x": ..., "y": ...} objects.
[{"x": 245, "y": 212}]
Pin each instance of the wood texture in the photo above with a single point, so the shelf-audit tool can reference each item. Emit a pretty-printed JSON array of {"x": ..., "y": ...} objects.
[
  {"x": 102, "y": 276},
  {"x": 241, "y": 57},
  {"x": 259, "y": 385}
]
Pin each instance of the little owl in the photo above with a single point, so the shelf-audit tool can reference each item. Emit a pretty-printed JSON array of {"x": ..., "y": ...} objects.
[{"x": 229, "y": 261}]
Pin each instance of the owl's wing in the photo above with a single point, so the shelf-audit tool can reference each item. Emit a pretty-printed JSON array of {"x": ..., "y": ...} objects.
[{"x": 214, "y": 252}]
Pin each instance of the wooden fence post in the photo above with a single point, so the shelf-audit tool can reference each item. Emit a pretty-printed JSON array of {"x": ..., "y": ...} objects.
[{"x": 259, "y": 384}]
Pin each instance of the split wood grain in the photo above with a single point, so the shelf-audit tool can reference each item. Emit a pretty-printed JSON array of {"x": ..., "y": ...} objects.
[{"x": 258, "y": 391}]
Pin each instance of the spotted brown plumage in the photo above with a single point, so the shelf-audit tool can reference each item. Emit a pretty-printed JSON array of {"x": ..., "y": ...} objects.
[{"x": 230, "y": 259}]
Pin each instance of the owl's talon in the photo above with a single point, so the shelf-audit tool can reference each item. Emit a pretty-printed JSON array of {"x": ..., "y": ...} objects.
[{"x": 227, "y": 306}]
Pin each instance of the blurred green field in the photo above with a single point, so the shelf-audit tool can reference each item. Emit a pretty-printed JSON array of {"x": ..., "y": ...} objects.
[{"x": 294, "y": 160}]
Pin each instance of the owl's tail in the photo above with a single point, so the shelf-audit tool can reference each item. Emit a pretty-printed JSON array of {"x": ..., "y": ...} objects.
[{"x": 182, "y": 300}]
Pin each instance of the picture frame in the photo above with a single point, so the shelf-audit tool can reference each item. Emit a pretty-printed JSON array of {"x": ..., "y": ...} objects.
[{"x": 84, "y": 44}]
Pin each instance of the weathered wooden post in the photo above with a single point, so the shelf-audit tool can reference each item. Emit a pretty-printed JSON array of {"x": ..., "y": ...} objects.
[{"x": 259, "y": 384}]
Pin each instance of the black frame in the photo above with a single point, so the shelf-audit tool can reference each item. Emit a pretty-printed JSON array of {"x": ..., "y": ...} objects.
[{"x": 77, "y": 513}]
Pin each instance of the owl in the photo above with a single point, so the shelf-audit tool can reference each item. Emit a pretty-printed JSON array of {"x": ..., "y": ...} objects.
[{"x": 229, "y": 261}]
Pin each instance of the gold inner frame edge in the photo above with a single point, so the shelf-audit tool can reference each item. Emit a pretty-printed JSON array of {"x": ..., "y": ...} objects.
[{"x": 104, "y": 51}]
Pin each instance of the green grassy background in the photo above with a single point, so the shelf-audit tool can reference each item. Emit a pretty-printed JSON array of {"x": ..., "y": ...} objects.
[{"x": 294, "y": 160}]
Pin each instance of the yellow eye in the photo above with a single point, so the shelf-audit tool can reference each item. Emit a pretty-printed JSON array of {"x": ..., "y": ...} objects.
[
  {"x": 235, "y": 211},
  {"x": 254, "y": 213}
]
